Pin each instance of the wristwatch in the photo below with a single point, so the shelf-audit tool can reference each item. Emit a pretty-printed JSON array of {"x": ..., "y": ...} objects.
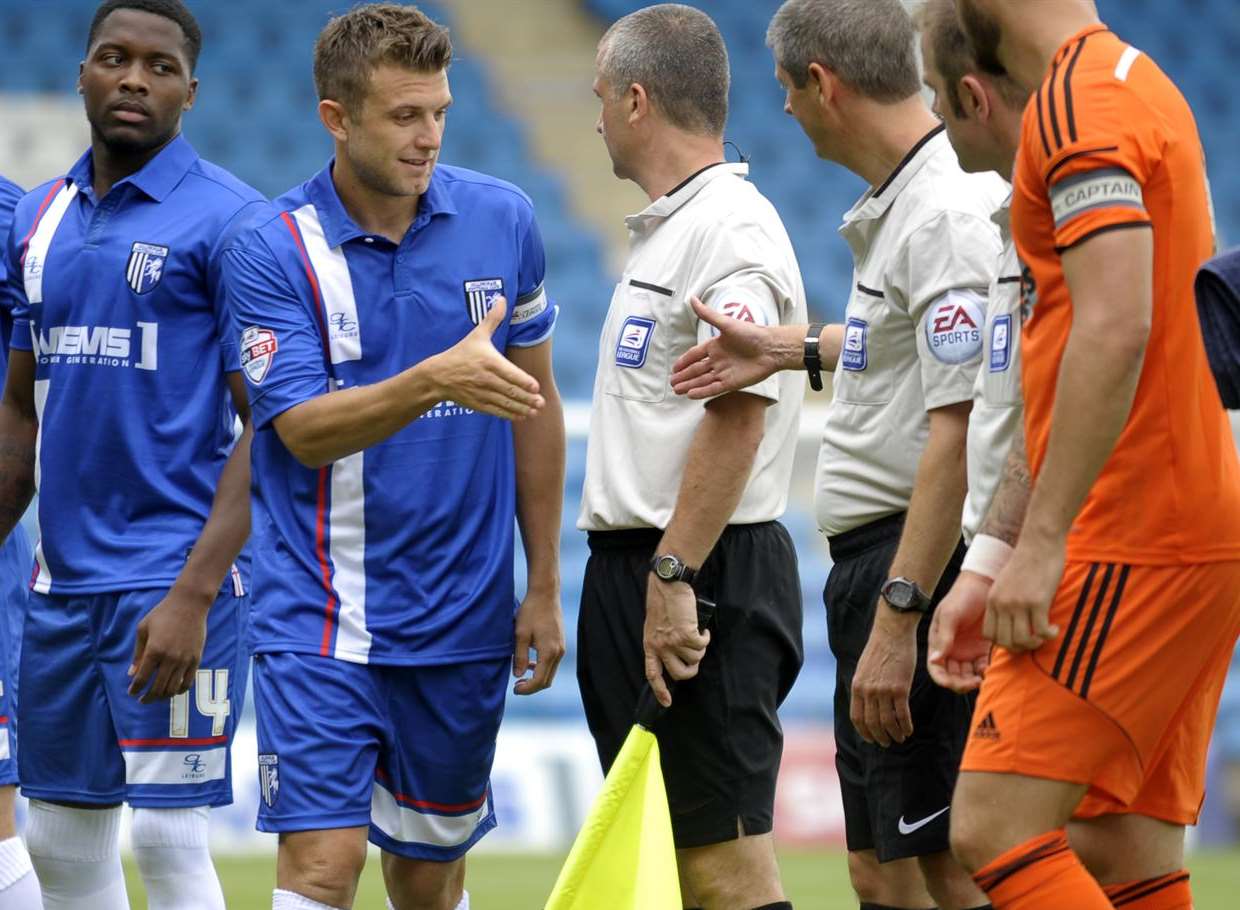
[
  {"x": 903, "y": 596},
  {"x": 669, "y": 568},
  {"x": 813, "y": 356}
]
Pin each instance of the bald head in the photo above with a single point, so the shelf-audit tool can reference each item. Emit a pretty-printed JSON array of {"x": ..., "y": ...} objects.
[{"x": 1020, "y": 37}]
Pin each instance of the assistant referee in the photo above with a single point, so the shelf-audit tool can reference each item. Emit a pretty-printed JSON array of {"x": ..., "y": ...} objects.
[{"x": 681, "y": 495}]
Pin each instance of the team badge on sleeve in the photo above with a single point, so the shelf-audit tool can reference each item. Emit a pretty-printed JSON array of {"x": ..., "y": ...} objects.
[
  {"x": 954, "y": 327},
  {"x": 269, "y": 777},
  {"x": 480, "y": 296},
  {"x": 258, "y": 350},
  {"x": 634, "y": 342},
  {"x": 146, "y": 266}
]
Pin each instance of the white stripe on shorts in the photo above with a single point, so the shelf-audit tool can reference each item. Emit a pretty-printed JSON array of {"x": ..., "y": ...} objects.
[
  {"x": 179, "y": 766},
  {"x": 409, "y": 826}
]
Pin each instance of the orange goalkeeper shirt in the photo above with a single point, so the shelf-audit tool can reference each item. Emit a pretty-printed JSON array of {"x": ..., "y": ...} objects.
[{"x": 1109, "y": 143}]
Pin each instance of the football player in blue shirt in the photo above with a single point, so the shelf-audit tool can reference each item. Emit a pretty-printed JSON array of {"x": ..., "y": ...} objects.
[
  {"x": 122, "y": 393},
  {"x": 372, "y": 307},
  {"x": 19, "y": 889}
]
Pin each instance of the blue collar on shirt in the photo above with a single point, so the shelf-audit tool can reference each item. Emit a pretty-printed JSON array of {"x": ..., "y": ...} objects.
[
  {"x": 156, "y": 179},
  {"x": 339, "y": 227}
]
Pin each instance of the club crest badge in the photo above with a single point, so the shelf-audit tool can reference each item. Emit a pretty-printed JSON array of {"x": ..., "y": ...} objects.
[
  {"x": 269, "y": 777},
  {"x": 258, "y": 350},
  {"x": 146, "y": 266},
  {"x": 480, "y": 296}
]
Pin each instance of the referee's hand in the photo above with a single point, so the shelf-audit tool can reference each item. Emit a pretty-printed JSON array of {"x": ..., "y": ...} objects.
[
  {"x": 477, "y": 376},
  {"x": 738, "y": 357},
  {"x": 671, "y": 639}
]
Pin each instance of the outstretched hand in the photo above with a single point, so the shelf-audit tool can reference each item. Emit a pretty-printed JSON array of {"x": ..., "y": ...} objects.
[
  {"x": 475, "y": 375},
  {"x": 959, "y": 652},
  {"x": 738, "y": 357}
]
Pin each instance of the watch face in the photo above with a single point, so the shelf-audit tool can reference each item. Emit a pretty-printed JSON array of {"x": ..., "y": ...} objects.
[
  {"x": 899, "y": 596},
  {"x": 667, "y": 567}
]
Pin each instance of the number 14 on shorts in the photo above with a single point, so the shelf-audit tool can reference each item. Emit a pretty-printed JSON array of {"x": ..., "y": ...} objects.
[{"x": 210, "y": 692}]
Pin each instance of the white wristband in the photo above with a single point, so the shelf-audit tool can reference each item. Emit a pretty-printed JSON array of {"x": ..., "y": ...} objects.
[{"x": 987, "y": 556}]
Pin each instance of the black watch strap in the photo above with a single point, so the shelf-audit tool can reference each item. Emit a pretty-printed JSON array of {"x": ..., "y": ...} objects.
[
  {"x": 813, "y": 356},
  {"x": 670, "y": 569}
]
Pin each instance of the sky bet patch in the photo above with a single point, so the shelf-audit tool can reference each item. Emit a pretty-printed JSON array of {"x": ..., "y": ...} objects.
[{"x": 634, "y": 342}]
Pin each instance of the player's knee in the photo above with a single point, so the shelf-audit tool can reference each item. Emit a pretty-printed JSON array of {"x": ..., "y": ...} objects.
[
  {"x": 972, "y": 838},
  {"x": 948, "y": 882},
  {"x": 866, "y": 877}
]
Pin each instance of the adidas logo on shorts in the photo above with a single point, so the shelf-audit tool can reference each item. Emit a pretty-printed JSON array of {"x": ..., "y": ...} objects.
[{"x": 987, "y": 729}]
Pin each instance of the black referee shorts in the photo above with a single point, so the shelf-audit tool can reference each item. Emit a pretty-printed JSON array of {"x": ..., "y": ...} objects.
[
  {"x": 721, "y": 741},
  {"x": 895, "y": 799}
]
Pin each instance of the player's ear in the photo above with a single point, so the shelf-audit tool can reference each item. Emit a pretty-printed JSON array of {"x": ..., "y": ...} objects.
[
  {"x": 638, "y": 102},
  {"x": 974, "y": 95},
  {"x": 334, "y": 115},
  {"x": 824, "y": 83},
  {"x": 192, "y": 96}
]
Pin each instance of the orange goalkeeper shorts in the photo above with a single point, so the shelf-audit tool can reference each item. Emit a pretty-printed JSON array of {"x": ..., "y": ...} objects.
[{"x": 1124, "y": 700}]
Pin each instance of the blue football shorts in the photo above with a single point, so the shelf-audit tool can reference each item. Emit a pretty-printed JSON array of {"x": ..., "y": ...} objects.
[
  {"x": 85, "y": 739},
  {"x": 405, "y": 751},
  {"x": 16, "y": 562}
]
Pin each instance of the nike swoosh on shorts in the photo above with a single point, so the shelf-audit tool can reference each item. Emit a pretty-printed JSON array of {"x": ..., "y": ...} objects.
[{"x": 918, "y": 825}]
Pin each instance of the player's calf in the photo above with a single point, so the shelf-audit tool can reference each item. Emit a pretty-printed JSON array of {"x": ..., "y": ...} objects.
[
  {"x": 736, "y": 873},
  {"x": 170, "y": 847},
  {"x": 414, "y": 884},
  {"x": 321, "y": 866}
]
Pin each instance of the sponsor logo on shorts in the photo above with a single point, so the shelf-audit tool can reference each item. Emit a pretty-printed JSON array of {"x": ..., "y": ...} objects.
[
  {"x": 987, "y": 728},
  {"x": 907, "y": 828},
  {"x": 269, "y": 777},
  {"x": 634, "y": 342},
  {"x": 195, "y": 767}
]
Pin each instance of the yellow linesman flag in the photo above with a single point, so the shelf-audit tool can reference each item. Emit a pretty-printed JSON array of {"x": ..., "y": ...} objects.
[{"x": 624, "y": 857}]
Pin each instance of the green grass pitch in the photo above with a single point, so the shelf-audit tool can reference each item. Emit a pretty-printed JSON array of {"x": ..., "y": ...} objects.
[{"x": 815, "y": 881}]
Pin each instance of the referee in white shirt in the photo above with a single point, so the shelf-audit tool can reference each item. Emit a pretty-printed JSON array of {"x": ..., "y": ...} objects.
[
  {"x": 891, "y": 474},
  {"x": 681, "y": 495}
]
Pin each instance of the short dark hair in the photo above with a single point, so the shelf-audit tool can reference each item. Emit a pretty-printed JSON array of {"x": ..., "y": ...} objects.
[
  {"x": 677, "y": 55},
  {"x": 868, "y": 44},
  {"x": 175, "y": 10},
  {"x": 954, "y": 57},
  {"x": 353, "y": 45}
]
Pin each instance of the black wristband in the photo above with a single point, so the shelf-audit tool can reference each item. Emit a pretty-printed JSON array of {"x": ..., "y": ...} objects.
[{"x": 813, "y": 357}]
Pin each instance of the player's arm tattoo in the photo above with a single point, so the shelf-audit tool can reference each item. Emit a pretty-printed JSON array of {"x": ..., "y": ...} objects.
[{"x": 1007, "y": 509}]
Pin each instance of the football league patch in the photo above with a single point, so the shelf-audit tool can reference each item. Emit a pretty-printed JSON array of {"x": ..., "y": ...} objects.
[
  {"x": 480, "y": 296},
  {"x": 146, "y": 266},
  {"x": 854, "y": 356},
  {"x": 269, "y": 777},
  {"x": 634, "y": 342},
  {"x": 954, "y": 327},
  {"x": 1001, "y": 344},
  {"x": 258, "y": 350}
]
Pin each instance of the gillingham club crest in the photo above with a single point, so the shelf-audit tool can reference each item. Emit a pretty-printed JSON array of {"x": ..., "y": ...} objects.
[
  {"x": 480, "y": 296},
  {"x": 146, "y": 266},
  {"x": 269, "y": 778}
]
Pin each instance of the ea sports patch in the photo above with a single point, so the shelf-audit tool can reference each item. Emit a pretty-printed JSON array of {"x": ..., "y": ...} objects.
[
  {"x": 855, "y": 357},
  {"x": 258, "y": 350},
  {"x": 634, "y": 342},
  {"x": 954, "y": 327},
  {"x": 269, "y": 777},
  {"x": 744, "y": 312},
  {"x": 480, "y": 295},
  {"x": 1001, "y": 344},
  {"x": 145, "y": 267}
]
